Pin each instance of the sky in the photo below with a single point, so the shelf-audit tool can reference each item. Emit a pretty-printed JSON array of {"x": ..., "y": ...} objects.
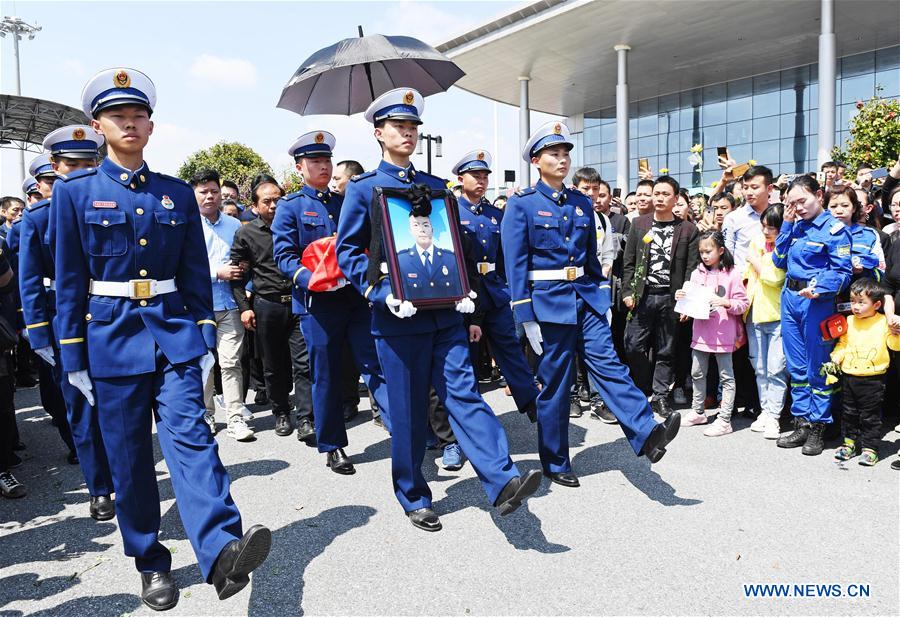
[{"x": 219, "y": 68}]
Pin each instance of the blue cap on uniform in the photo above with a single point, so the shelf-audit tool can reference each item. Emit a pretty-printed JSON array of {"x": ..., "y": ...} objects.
[
  {"x": 397, "y": 104},
  {"x": 41, "y": 166},
  {"x": 314, "y": 143},
  {"x": 550, "y": 134},
  {"x": 77, "y": 141},
  {"x": 476, "y": 160},
  {"x": 30, "y": 186},
  {"x": 117, "y": 87}
]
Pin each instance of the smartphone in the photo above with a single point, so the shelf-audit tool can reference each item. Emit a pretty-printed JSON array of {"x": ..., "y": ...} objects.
[
  {"x": 879, "y": 173},
  {"x": 643, "y": 164},
  {"x": 722, "y": 153},
  {"x": 617, "y": 193},
  {"x": 820, "y": 177}
]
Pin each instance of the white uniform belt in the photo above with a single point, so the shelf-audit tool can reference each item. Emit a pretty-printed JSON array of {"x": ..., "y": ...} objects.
[
  {"x": 136, "y": 289},
  {"x": 485, "y": 267},
  {"x": 565, "y": 274},
  {"x": 50, "y": 284}
]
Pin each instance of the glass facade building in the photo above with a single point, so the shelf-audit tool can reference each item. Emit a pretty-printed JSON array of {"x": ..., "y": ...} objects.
[{"x": 770, "y": 118}]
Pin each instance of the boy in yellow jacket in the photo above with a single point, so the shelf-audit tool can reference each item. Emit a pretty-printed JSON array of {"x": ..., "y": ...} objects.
[{"x": 862, "y": 355}]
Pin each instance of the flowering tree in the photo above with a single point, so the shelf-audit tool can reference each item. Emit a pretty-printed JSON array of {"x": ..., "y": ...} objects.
[
  {"x": 874, "y": 134},
  {"x": 234, "y": 161}
]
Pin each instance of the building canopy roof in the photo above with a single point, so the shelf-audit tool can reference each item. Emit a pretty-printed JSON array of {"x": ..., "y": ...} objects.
[
  {"x": 24, "y": 121},
  {"x": 565, "y": 47}
]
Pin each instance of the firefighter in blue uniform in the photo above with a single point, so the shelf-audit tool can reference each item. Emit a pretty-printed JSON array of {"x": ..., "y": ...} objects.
[
  {"x": 71, "y": 148},
  {"x": 481, "y": 222},
  {"x": 135, "y": 327},
  {"x": 52, "y": 400},
  {"x": 427, "y": 271},
  {"x": 328, "y": 319},
  {"x": 560, "y": 297},
  {"x": 418, "y": 349},
  {"x": 814, "y": 248}
]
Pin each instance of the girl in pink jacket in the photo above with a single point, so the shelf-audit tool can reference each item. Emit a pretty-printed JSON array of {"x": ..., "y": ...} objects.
[{"x": 718, "y": 335}]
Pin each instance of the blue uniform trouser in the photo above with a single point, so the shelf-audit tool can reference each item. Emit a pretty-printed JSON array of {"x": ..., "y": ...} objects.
[
  {"x": 593, "y": 338},
  {"x": 440, "y": 359},
  {"x": 86, "y": 436},
  {"x": 53, "y": 403},
  {"x": 498, "y": 326},
  {"x": 173, "y": 396},
  {"x": 325, "y": 334},
  {"x": 805, "y": 352}
]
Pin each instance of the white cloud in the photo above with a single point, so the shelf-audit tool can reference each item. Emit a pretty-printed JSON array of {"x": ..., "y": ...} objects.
[{"x": 232, "y": 73}]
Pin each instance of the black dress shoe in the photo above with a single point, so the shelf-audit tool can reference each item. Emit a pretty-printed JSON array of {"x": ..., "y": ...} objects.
[
  {"x": 306, "y": 432},
  {"x": 516, "y": 491},
  {"x": 563, "y": 478},
  {"x": 895, "y": 465},
  {"x": 72, "y": 459},
  {"x": 425, "y": 518},
  {"x": 238, "y": 559},
  {"x": 660, "y": 406},
  {"x": 158, "y": 590},
  {"x": 574, "y": 406},
  {"x": 261, "y": 398},
  {"x": 339, "y": 462},
  {"x": 599, "y": 411},
  {"x": 660, "y": 436},
  {"x": 283, "y": 426},
  {"x": 350, "y": 412},
  {"x": 103, "y": 508},
  {"x": 530, "y": 410}
]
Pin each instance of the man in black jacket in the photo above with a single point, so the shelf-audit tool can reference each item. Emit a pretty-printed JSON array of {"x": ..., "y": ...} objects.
[{"x": 660, "y": 254}]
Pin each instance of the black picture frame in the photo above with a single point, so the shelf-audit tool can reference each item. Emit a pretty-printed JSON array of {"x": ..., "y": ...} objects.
[{"x": 446, "y": 283}]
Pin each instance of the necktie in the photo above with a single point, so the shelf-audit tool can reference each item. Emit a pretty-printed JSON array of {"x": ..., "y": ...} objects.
[{"x": 427, "y": 262}]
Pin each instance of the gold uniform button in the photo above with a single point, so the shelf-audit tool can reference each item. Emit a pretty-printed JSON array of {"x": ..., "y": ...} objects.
[
  {"x": 173, "y": 222},
  {"x": 331, "y": 216},
  {"x": 318, "y": 194},
  {"x": 402, "y": 174},
  {"x": 565, "y": 218},
  {"x": 143, "y": 241},
  {"x": 571, "y": 259},
  {"x": 567, "y": 238},
  {"x": 139, "y": 211},
  {"x": 484, "y": 241},
  {"x": 143, "y": 303},
  {"x": 432, "y": 284},
  {"x": 88, "y": 317},
  {"x": 124, "y": 177},
  {"x": 555, "y": 195},
  {"x": 142, "y": 272},
  {"x": 105, "y": 222},
  {"x": 481, "y": 225},
  {"x": 133, "y": 185},
  {"x": 142, "y": 178}
]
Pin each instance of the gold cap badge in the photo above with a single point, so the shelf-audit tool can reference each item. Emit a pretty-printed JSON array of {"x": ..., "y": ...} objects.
[
  {"x": 320, "y": 138},
  {"x": 122, "y": 79},
  {"x": 481, "y": 156},
  {"x": 409, "y": 97},
  {"x": 557, "y": 129},
  {"x": 78, "y": 134}
]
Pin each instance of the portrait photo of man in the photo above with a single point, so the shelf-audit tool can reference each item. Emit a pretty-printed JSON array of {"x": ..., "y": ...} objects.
[{"x": 426, "y": 269}]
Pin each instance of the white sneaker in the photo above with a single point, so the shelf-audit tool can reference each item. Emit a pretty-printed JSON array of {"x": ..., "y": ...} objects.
[
  {"x": 773, "y": 428},
  {"x": 759, "y": 425},
  {"x": 210, "y": 420},
  {"x": 219, "y": 402},
  {"x": 246, "y": 414},
  {"x": 718, "y": 428},
  {"x": 897, "y": 429},
  {"x": 239, "y": 430}
]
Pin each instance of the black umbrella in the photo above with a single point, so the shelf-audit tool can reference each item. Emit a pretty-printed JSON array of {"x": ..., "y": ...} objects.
[{"x": 346, "y": 77}]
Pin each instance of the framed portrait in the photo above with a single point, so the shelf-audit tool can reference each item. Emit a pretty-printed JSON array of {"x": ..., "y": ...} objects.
[{"x": 423, "y": 248}]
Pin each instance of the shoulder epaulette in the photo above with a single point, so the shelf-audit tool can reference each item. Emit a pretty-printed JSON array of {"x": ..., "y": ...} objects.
[
  {"x": 291, "y": 196},
  {"x": 363, "y": 176},
  {"x": 173, "y": 179},
  {"x": 78, "y": 173},
  {"x": 836, "y": 228},
  {"x": 526, "y": 191},
  {"x": 38, "y": 205}
]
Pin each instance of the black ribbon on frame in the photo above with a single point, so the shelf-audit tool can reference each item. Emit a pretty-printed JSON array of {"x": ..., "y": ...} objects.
[{"x": 419, "y": 196}]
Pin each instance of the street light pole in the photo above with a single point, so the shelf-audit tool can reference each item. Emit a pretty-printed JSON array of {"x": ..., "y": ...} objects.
[
  {"x": 17, "y": 28},
  {"x": 438, "y": 141}
]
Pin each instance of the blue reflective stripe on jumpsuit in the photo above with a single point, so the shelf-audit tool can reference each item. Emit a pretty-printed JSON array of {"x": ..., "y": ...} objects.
[
  {"x": 815, "y": 251},
  {"x": 144, "y": 356}
]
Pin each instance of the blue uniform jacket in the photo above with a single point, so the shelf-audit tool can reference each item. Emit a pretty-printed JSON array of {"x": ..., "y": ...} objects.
[
  {"x": 117, "y": 225},
  {"x": 818, "y": 249},
  {"x": 354, "y": 235},
  {"x": 545, "y": 229},
  {"x": 441, "y": 282},
  {"x": 36, "y": 264},
  {"x": 12, "y": 242},
  {"x": 865, "y": 240},
  {"x": 481, "y": 223},
  {"x": 300, "y": 219}
]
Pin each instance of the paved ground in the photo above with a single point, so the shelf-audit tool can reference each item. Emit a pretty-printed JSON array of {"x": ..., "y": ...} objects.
[{"x": 682, "y": 537}]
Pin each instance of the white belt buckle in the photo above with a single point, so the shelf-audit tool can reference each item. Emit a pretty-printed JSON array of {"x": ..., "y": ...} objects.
[
  {"x": 483, "y": 267},
  {"x": 141, "y": 289},
  {"x": 571, "y": 273}
]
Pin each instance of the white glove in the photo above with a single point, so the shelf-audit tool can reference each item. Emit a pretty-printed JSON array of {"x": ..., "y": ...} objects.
[
  {"x": 533, "y": 332},
  {"x": 466, "y": 306},
  {"x": 80, "y": 380},
  {"x": 340, "y": 284},
  {"x": 25, "y": 335},
  {"x": 401, "y": 309},
  {"x": 207, "y": 363},
  {"x": 46, "y": 354}
]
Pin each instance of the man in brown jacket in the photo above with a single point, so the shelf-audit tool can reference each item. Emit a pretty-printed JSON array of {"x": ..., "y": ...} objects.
[{"x": 660, "y": 255}]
